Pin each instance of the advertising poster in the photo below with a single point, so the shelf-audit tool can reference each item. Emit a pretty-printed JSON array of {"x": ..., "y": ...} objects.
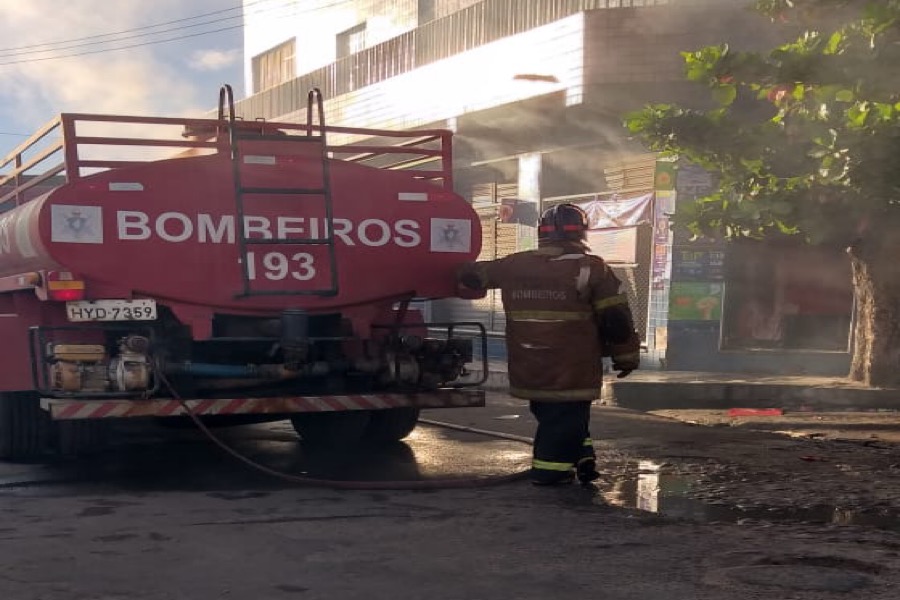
[{"x": 695, "y": 301}]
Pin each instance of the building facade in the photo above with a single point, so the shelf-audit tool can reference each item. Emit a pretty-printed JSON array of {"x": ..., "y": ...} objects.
[{"x": 535, "y": 92}]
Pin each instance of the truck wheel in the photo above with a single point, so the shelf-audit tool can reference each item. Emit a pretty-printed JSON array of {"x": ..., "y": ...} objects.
[
  {"x": 24, "y": 427},
  {"x": 391, "y": 425},
  {"x": 77, "y": 438},
  {"x": 331, "y": 430}
]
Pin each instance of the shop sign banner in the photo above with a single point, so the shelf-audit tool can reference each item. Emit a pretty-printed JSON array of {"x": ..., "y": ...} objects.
[
  {"x": 614, "y": 245},
  {"x": 618, "y": 212}
]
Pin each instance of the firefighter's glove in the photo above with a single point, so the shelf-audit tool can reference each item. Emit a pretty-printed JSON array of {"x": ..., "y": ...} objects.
[
  {"x": 625, "y": 363},
  {"x": 626, "y": 357},
  {"x": 470, "y": 284},
  {"x": 470, "y": 280}
]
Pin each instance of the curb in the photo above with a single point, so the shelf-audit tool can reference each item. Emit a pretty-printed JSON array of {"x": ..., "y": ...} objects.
[
  {"x": 714, "y": 395},
  {"x": 662, "y": 390}
]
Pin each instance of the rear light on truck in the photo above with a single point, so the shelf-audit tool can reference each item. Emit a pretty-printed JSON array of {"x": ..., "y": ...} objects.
[
  {"x": 63, "y": 287},
  {"x": 67, "y": 294}
]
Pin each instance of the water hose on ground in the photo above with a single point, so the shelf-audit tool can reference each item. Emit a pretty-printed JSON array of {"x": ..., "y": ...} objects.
[{"x": 422, "y": 484}]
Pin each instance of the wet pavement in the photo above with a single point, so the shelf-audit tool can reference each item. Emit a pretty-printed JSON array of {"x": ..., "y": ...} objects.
[
  {"x": 806, "y": 467},
  {"x": 656, "y": 488},
  {"x": 147, "y": 457},
  {"x": 686, "y": 481},
  {"x": 683, "y": 510}
]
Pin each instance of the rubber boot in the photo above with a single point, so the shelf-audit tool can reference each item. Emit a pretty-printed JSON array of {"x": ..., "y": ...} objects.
[
  {"x": 586, "y": 469},
  {"x": 542, "y": 477}
]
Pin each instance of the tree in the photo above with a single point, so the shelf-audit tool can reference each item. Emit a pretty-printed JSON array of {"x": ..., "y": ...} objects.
[{"x": 805, "y": 141}]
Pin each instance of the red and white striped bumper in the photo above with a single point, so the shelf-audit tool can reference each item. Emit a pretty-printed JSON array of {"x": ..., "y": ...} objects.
[{"x": 66, "y": 410}]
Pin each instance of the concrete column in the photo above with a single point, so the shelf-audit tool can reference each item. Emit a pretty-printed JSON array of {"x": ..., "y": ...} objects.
[{"x": 529, "y": 184}]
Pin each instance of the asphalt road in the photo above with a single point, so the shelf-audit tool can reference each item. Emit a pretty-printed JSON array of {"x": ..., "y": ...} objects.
[{"x": 167, "y": 515}]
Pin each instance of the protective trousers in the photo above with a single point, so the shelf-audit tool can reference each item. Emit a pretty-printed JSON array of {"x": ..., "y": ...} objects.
[{"x": 562, "y": 439}]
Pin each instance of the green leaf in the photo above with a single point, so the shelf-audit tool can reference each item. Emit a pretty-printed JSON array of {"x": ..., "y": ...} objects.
[
  {"x": 834, "y": 43},
  {"x": 857, "y": 115},
  {"x": 885, "y": 112},
  {"x": 725, "y": 94},
  {"x": 786, "y": 229},
  {"x": 845, "y": 96}
]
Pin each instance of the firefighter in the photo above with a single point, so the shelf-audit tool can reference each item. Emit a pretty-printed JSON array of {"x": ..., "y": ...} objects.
[{"x": 564, "y": 311}]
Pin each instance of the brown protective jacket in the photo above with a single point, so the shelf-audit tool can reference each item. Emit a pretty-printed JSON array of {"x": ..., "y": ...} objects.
[{"x": 554, "y": 298}]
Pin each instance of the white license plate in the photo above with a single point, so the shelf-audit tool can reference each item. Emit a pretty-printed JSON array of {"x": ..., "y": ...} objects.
[{"x": 111, "y": 310}]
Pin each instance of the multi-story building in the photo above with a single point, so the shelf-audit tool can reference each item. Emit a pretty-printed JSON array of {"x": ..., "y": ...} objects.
[{"x": 535, "y": 91}]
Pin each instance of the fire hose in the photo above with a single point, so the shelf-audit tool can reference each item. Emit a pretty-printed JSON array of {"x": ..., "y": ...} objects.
[{"x": 422, "y": 484}]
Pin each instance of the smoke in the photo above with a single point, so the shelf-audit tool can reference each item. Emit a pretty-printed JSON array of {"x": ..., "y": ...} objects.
[
  {"x": 173, "y": 79},
  {"x": 213, "y": 60}
]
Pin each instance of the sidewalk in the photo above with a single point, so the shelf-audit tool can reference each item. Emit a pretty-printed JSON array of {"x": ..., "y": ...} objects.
[{"x": 661, "y": 390}]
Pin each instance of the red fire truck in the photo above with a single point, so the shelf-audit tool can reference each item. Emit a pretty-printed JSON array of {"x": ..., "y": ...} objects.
[{"x": 230, "y": 268}]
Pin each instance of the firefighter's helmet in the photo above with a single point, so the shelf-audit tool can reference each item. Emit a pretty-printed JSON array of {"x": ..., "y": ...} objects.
[{"x": 563, "y": 222}]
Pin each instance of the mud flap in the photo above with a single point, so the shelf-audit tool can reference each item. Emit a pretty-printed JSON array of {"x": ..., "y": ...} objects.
[{"x": 24, "y": 428}]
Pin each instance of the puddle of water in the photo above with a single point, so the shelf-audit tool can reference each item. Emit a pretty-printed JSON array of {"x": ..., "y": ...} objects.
[{"x": 655, "y": 490}]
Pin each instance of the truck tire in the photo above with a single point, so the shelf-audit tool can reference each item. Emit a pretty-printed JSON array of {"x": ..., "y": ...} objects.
[
  {"x": 24, "y": 427},
  {"x": 391, "y": 425},
  {"x": 331, "y": 430}
]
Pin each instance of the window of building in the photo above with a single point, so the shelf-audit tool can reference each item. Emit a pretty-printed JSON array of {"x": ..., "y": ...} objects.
[
  {"x": 786, "y": 296},
  {"x": 275, "y": 66},
  {"x": 425, "y": 11},
  {"x": 352, "y": 40}
]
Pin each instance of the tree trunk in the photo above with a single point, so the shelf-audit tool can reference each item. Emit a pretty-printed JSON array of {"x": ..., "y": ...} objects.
[{"x": 876, "y": 281}]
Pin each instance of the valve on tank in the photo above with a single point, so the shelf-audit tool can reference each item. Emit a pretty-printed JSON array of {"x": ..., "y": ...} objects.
[
  {"x": 426, "y": 363},
  {"x": 444, "y": 360},
  {"x": 129, "y": 371}
]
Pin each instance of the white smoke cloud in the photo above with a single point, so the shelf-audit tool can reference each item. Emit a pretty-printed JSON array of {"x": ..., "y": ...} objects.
[
  {"x": 214, "y": 60},
  {"x": 178, "y": 78}
]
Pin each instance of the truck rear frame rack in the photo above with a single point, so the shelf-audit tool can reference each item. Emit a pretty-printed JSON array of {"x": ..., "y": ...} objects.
[{"x": 75, "y": 145}]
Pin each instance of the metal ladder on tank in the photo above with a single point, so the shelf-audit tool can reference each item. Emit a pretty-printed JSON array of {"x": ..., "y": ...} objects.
[{"x": 237, "y": 141}]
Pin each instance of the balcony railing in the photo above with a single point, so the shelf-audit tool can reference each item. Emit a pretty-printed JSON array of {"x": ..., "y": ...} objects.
[{"x": 469, "y": 28}]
